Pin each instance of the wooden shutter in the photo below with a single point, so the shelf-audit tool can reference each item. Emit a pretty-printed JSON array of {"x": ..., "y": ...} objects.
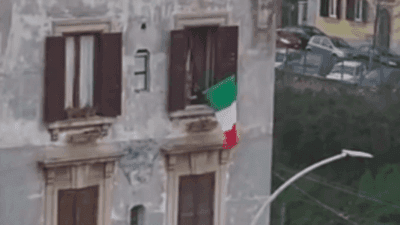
[
  {"x": 86, "y": 206},
  {"x": 54, "y": 76},
  {"x": 66, "y": 207},
  {"x": 109, "y": 100},
  {"x": 177, "y": 70},
  {"x": 226, "y": 52},
  {"x": 186, "y": 213},
  {"x": 350, "y": 9},
  {"x": 204, "y": 199},
  {"x": 338, "y": 9},
  {"x": 365, "y": 10},
  {"x": 324, "y": 8}
]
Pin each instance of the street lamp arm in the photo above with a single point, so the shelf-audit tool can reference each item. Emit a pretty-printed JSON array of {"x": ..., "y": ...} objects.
[{"x": 294, "y": 178}]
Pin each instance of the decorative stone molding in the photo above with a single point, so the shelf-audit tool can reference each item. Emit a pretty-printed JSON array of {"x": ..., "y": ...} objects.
[
  {"x": 196, "y": 154},
  {"x": 78, "y": 25},
  {"x": 220, "y": 18},
  {"x": 81, "y": 130},
  {"x": 79, "y": 167}
]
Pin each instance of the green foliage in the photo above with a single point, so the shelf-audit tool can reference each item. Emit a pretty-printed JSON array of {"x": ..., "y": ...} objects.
[{"x": 312, "y": 127}]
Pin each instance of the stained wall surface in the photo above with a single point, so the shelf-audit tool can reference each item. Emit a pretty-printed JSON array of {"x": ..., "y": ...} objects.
[{"x": 144, "y": 124}]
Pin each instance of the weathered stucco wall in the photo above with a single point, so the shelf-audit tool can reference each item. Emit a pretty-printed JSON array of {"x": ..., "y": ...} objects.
[{"x": 24, "y": 25}]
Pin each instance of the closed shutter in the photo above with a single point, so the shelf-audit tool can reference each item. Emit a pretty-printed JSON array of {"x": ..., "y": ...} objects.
[
  {"x": 226, "y": 52},
  {"x": 365, "y": 10},
  {"x": 109, "y": 101},
  {"x": 86, "y": 206},
  {"x": 338, "y": 9},
  {"x": 66, "y": 207},
  {"x": 54, "y": 90},
  {"x": 350, "y": 9},
  {"x": 324, "y": 8},
  {"x": 205, "y": 199},
  {"x": 97, "y": 75},
  {"x": 186, "y": 214},
  {"x": 177, "y": 70}
]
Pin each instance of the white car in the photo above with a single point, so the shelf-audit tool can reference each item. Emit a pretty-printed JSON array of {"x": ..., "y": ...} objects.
[{"x": 347, "y": 71}]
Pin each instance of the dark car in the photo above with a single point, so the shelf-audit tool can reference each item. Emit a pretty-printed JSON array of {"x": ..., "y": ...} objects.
[
  {"x": 363, "y": 52},
  {"x": 286, "y": 39},
  {"x": 304, "y": 33},
  {"x": 389, "y": 58},
  {"x": 381, "y": 55}
]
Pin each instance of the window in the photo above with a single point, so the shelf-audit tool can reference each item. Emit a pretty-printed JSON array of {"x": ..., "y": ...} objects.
[
  {"x": 317, "y": 40},
  {"x": 326, "y": 43},
  {"x": 78, "y": 206},
  {"x": 199, "y": 58},
  {"x": 357, "y": 10},
  {"x": 142, "y": 59},
  {"x": 196, "y": 199},
  {"x": 330, "y": 8},
  {"x": 137, "y": 215},
  {"x": 83, "y": 75}
]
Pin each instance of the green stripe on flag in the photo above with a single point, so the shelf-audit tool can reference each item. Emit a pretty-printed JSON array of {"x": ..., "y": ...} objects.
[{"x": 223, "y": 94}]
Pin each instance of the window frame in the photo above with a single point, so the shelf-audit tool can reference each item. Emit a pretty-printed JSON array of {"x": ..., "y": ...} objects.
[
  {"x": 145, "y": 54},
  {"x": 76, "y": 90},
  {"x": 358, "y": 9},
  {"x": 332, "y": 8}
]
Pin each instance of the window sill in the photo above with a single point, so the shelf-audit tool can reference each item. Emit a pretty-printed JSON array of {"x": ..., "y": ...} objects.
[
  {"x": 94, "y": 126},
  {"x": 193, "y": 111}
]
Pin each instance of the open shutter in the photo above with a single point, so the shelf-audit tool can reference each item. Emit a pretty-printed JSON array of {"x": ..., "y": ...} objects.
[
  {"x": 226, "y": 52},
  {"x": 205, "y": 199},
  {"x": 54, "y": 90},
  {"x": 66, "y": 207},
  {"x": 324, "y": 8},
  {"x": 86, "y": 206},
  {"x": 350, "y": 9},
  {"x": 186, "y": 213},
  {"x": 109, "y": 100},
  {"x": 365, "y": 9},
  {"x": 338, "y": 9},
  {"x": 177, "y": 70}
]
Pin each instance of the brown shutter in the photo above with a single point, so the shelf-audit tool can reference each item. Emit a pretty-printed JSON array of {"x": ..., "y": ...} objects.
[
  {"x": 108, "y": 99},
  {"x": 54, "y": 90},
  {"x": 350, "y": 9},
  {"x": 324, "y": 8},
  {"x": 186, "y": 213},
  {"x": 177, "y": 70},
  {"x": 338, "y": 9},
  {"x": 365, "y": 10},
  {"x": 226, "y": 52},
  {"x": 86, "y": 206},
  {"x": 66, "y": 207},
  {"x": 204, "y": 199}
]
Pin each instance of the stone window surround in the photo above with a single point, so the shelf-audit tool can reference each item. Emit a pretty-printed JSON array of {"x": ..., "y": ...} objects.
[
  {"x": 204, "y": 157},
  {"x": 94, "y": 124},
  {"x": 182, "y": 20},
  {"x": 77, "y": 174}
]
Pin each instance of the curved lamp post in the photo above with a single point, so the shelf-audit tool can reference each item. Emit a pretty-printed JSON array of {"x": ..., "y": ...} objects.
[{"x": 306, "y": 170}]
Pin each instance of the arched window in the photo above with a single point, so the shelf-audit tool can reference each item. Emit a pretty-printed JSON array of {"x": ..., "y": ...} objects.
[{"x": 137, "y": 215}]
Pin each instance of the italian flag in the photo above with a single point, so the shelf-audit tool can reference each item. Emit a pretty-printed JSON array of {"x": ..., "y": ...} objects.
[{"x": 222, "y": 98}]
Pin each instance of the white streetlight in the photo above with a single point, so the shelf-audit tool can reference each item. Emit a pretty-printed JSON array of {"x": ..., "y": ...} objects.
[{"x": 272, "y": 197}]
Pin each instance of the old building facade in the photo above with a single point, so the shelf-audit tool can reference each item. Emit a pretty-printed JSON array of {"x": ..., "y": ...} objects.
[{"x": 99, "y": 119}]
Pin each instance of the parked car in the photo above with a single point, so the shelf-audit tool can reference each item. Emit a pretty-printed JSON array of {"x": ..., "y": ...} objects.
[
  {"x": 286, "y": 39},
  {"x": 347, "y": 71},
  {"x": 304, "y": 33},
  {"x": 389, "y": 58},
  {"x": 335, "y": 47},
  {"x": 363, "y": 53}
]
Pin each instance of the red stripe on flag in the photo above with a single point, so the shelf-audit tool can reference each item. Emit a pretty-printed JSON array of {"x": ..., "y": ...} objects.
[{"x": 230, "y": 138}]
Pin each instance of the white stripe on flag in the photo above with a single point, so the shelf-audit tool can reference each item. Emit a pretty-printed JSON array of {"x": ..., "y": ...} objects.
[{"x": 227, "y": 117}]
